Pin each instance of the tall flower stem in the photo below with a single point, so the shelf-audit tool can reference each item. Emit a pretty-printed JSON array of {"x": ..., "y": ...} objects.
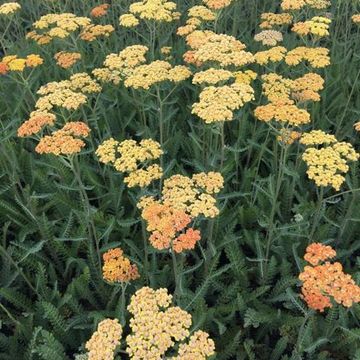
[
  {"x": 146, "y": 251},
  {"x": 74, "y": 165},
  {"x": 222, "y": 137},
  {"x": 317, "y": 213},
  {"x": 123, "y": 303},
  {"x": 160, "y": 103},
  {"x": 177, "y": 291},
  {"x": 279, "y": 180}
]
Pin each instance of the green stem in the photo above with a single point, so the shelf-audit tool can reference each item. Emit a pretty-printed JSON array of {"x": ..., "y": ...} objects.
[
  {"x": 74, "y": 165},
  {"x": 176, "y": 273},
  {"x": 8, "y": 313},
  {"x": 222, "y": 135},
  {"x": 3, "y": 250},
  {"x": 146, "y": 251},
  {"x": 123, "y": 302},
  {"x": 279, "y": 179},
  {"x": 317, "y": 214}
]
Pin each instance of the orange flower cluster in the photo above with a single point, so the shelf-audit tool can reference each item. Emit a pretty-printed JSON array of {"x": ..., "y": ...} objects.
[
  {"x": 326, "y": 281},
  {"x": 117, "y": 268},
  {"x": 217, "y": 4},
  {"x": 316, "y": 253},
  {"x": 92, "y": 32},
  {"x": 64, "y": 141},
  {"x": 100, "y": 10},
  {"x": 38, "y": 120},
  {"x": 67, "y": 59},
  {"x": 164, "y": 222}
]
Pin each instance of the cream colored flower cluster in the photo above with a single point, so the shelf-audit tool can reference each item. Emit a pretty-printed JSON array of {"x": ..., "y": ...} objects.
[
  {"x": 69, "y": 94},
  {"x": 157, "y": 327},
  {"x": 9, "y": 8},
  {"x": 52, "y": 26},
  {"x": 299, "y": 4},
  {"x": 133, "y": 159},
  {"x": 104, "y": 340},
  {"x": 269, "y": 37},
  {"x": 197, "y": 15},
  {"x": 223, "y": 50},
  {"x": 219, "y": 103},
  {"x": 158, "y": 71},
  {"x": 152, "y": 10},
  {"x": 129, "y": 66}
]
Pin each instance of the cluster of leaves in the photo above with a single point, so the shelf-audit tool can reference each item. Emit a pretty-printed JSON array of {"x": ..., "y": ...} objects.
[{"x": 52, "y": 294}]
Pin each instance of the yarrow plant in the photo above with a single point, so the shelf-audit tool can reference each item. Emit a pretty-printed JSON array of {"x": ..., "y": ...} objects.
[
  {"x": 172, "y": 173},
  {"x": 324, "y": 281}
]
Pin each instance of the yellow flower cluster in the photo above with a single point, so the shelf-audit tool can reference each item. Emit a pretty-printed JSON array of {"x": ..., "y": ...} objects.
[
  {"x": 201, "y": 12},
  {"x": 126, "y": 156},
  {"x": 157, "y": 327},
  {"x": 128, "y": 20},
  {"x": 196, "y": 16},
  {"x": 279, "y": 89},
  {"x": 224, "y": 50},
  {"x": 283, "y": 113},
  {"x": 356, "y": 18},
  {"x": 317, "y": 137},
  {"x": 92, "y": 32},
  {"x": 245, "y": 77},
  {"x": 69, "y": 94},
  {"x": 269, "y": 37},
  {"x": 274, "y": 54},
  {"x": 154, "y": 10},
  {"x": 52, "y": 26},
  {"x": 13, "y": 63},
  {"x": 193, "y": 195},
  {"x": 327, "y": 163},
  {"x": 117, "y": 66},
  {"x": 104, "y": 341},
  {"x": 219, "y": 103},
  {"x": 299, "y": 4},
  {"x": 212, "y": 76},
  {"x": 199, "y": 347},
  {"x": 127, "y": 59},
  {"x": 357, "y": 126},
  {"x": 67, "y": 59},
  {"x": 318, "y": 26},
  {"x": 64, "y": 141},
  {"x": 271, "y": 20},
  {"x": 317, "y": 57},
  {"x": 9, "y": 8},
  {"x": 144, "y": 76},
  {"x": 117, "y": 267}
]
